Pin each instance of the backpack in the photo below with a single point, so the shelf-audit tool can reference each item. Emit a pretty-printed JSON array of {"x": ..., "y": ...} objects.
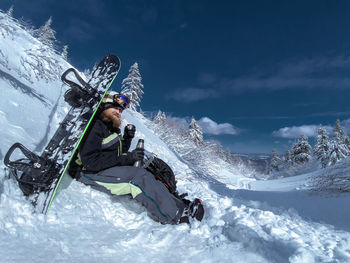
[{"x": 163, "y": 173}]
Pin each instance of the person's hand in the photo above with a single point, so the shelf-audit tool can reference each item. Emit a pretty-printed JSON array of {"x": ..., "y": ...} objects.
[
  {"x": 129, "y": 131},
  {"x": 136, "y": 155}
]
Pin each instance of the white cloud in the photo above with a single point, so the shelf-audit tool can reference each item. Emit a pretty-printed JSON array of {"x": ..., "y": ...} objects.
[
  {"x": 211, "y": 127},
  {"x": 296, "y": 131},
  {"x": 346, "y": 125},
  {"x": 310, "y": 73},
  {"x": 208, "y": 126},
  {"x": 192, "y": 94}
]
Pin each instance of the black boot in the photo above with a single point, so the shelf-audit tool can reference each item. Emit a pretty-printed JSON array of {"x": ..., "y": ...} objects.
[{"x": 196, "y": 209}]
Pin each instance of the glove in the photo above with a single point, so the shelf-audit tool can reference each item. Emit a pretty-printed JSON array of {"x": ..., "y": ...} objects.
[
  {"x": 129, "y": 131},
  {"x": 136, "y": 155}
]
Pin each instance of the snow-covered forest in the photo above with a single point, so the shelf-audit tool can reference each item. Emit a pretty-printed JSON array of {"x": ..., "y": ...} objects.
[
  {"x": 299, "y": 215},
  {"x": 325, "y": 153}
]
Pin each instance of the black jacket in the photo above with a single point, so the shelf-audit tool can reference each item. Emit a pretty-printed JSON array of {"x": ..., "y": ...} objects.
[{"x": 104, "y": 148}]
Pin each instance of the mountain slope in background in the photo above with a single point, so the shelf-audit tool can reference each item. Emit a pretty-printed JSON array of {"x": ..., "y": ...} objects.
[{"x": 83, "y": 225}]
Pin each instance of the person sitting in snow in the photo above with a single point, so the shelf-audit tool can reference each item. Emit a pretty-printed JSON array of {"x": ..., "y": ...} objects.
[{"x": 107, "y": 165}]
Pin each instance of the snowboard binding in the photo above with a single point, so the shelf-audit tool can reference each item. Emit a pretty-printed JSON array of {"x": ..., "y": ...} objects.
[
  {"x": 79, "y": 95},
  {"x": 32, "y": 172}
]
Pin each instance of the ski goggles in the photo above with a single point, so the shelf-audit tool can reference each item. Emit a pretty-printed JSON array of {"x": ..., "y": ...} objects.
[
  {"x": 121, "y": 100},
  {"x": 114, "y": 99}
]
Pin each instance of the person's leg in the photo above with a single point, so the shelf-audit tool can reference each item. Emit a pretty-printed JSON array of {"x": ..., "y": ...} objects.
[{"x": 142, "y": 185}]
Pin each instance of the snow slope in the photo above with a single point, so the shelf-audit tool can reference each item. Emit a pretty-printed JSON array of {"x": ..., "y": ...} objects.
[
  {"x": 31, "y": 91},
  {"x": 84, "y": 225}
]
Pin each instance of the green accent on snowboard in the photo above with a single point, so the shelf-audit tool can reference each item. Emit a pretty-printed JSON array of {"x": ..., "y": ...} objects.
[{"x": 65, "y": 175}]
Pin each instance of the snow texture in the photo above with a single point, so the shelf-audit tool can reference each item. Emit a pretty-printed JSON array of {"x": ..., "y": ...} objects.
[{"x": 245, "y": 220}]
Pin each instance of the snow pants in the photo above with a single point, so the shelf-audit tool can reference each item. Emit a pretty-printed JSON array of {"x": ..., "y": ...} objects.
[{"x": 151, "y": 193}]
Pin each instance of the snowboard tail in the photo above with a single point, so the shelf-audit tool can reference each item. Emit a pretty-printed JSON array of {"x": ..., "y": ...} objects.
[{"x": 40, "y": 177}]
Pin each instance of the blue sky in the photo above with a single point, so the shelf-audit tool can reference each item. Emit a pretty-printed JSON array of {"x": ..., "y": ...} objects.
[{"x": 255, "y": 73}]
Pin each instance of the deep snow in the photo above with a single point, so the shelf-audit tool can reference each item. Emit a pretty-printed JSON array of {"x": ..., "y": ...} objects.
[{"x": 245, "y": 220}]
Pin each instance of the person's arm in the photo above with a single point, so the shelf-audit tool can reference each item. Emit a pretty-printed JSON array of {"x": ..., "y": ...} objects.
[
  {"x": 129, "y": 134},
  {"x": 126, "y": 142}
]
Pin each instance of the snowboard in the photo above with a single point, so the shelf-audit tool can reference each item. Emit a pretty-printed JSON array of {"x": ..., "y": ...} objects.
[{"x": 42, "y": 177}]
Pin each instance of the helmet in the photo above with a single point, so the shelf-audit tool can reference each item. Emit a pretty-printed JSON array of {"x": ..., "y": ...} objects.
[{"x": 114, "y": 99}]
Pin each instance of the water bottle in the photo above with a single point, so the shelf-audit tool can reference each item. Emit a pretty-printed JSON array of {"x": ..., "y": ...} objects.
[{"x": 140, "y": 145}]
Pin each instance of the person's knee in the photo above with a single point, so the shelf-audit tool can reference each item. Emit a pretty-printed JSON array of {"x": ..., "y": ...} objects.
[{"x": 142, "y": 174}]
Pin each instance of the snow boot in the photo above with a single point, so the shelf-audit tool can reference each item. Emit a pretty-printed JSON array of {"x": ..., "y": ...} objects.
[
  {"x": 184, "y": 219},
  {"x": 196, "y": 209}
]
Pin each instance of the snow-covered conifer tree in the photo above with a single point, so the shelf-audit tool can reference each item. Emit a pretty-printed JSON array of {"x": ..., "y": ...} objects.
[
  {"x": 160, "y": 118},
  {"x": 228, "y": 156},
  {"x": 275, "y": 161},
  {"x": 338, "y": 148},
  {"x": 64, "y": 53},
  {"x": 195, "y": 132},
  {"x": 10, "y": 11},
  {"x": 322, "y": 145},
  {"x": 46, "y": 34},
  {"x": 301, "y": 151},
  {"x": 132, "y": 86},
  {"x": 236, "y": 159},
  {"x": 8, "y": 22},
  {"x": 347, "y": 145},
  {"x": 287, "y": 158},
  {"x": 211, "y": 149},
  {"x": 341, "y": 139},
  {"x": 338, "y": 131},
  {"x": 336, "y": 152}
]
